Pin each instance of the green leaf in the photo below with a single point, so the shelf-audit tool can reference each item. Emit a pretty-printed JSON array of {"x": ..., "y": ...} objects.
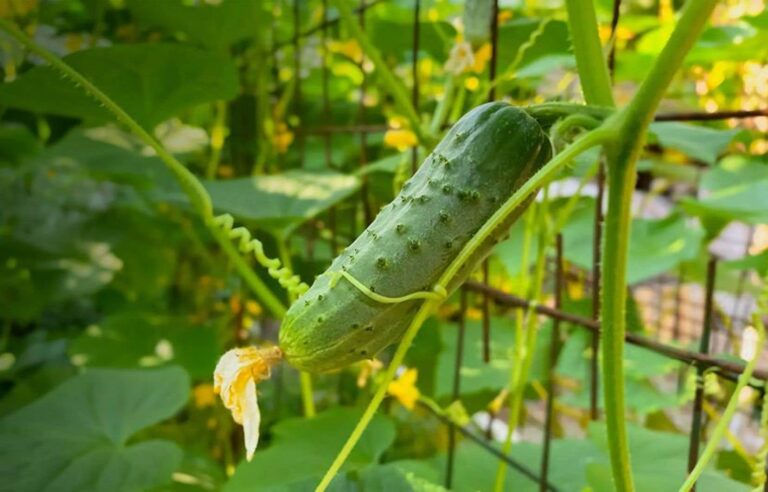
[
  {"x": 476, "y": 375},
  {"x": 152, "y": 82},
  {"x": 758, "y": 262},
  {"x": 659, "y": 462},
  {"x": 281, "y": 202},
  {"x": 737, "y": 189},
  {"x": 302, "y": 449},
  {"x": 133, "y": 340},
  {"x": 75, "y": 438},
  {"x": 655, "y": 246},
  {"x": 402, "y": 475},
  {"x": 16, "y": 143},
  {"x": 513, "y": 34},
  {"x": 698, "y": 142},
  {"x": 217, "y": 25},
  {"x": 395, "y": 37}
]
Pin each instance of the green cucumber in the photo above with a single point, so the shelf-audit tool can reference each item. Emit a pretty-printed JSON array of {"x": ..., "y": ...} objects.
[{"x": 487, "y": 155}]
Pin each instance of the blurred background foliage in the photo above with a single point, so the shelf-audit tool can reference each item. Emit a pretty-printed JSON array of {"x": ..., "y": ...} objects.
[{"x": 116, "y": 304}]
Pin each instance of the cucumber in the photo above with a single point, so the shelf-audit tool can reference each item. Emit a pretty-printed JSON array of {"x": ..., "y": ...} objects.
[{"x": 487, "y": 155}]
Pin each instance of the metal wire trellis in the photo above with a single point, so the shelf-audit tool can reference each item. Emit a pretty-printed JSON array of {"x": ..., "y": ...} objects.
[{"x": 699, "y": 360}]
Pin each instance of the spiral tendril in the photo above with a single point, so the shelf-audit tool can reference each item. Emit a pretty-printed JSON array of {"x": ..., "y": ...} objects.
[{"x": 248, "y": 244}]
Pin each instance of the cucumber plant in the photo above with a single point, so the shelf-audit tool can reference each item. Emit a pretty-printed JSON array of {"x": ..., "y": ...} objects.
[{"x": 411, "y": 300}]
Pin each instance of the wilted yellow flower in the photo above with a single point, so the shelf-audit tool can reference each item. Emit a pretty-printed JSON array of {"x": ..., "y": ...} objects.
[
  {"x": 368, "y": 368},
  {"x": 235, "y": 380},
  {"x": 404, "y": 388},
  {"x": 400, "y": 139}
]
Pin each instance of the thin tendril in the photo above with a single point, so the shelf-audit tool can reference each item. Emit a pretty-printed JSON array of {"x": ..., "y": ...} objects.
[
  {"x": 438, "y": 293},
  {"x": 248, "y": 244}
]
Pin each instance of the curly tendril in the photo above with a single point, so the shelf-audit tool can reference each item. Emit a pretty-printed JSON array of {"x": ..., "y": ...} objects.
[{"x": 248, "y": 244}]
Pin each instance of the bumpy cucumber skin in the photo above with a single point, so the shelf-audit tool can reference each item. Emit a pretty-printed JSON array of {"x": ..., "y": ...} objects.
[{"x": 487, "y": 155}]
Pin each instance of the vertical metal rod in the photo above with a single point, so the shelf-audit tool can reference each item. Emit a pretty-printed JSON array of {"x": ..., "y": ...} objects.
[
  {"x": 742, "y": 278},
  {"x": 325, "y": 85},
  {"x": 614, "y": 25},
  {"x": 491, "y": 96},
  {"x": 486, "y": 318},
  {"x": 364, "y": 192},
  {"x": 415, "y": 72},
  {"x": 494, "y": 47},
  {"x": 676, "y": 333},
  {"x": 554, "y": 349},
  {"x": 695, "y": 435},
  {"x": 332, "y": 223},
  {"x": 597, "y": 244},
  {"x": 297, "y": 102},
  {"x": 333, "y": 240},
  {"x": 456, "y": 386}
]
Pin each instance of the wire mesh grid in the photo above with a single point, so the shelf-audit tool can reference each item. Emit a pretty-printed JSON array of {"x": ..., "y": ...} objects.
[{"x": 678, "y": 313}]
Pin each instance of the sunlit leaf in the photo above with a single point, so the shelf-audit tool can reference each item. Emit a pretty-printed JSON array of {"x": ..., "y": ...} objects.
[
  {"x": 152, "y": 82},
  {"x": 281, "y": 202},
  {"x": 735, "y": 190},
  {"x": 701, "y": 143}
]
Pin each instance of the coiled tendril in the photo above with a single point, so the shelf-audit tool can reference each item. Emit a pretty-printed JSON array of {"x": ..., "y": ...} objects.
[{"x": 248, "y": 244}]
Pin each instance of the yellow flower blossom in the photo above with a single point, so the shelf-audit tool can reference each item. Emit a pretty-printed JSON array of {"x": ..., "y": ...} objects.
[
  {"x": 283, "y": 137},
  {"x": 472, "y": 83},
  {"x": 235, "y": 380},
  {"x": 348, "y": 48},
  {"x": 400, "y": 139},
  {"x": 482, "y": 56},
  {"x": 404, "y": 388},
  {"x": 204, "y": 395}
]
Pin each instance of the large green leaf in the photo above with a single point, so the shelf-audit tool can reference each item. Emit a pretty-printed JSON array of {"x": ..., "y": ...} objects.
[
  {"x": 138, "y": 339},
  {"x": 655, "y": 246},
  {"x": 281, "y": 202},
  {"x": 699, "y": 142},
  {"x": 212, "y": 24},
  {"x": 76, "y": 437},
  {"x": 553, "y": 42},
  {"x": 302, "y": 450},
  {"x": 478, "y": 376},
  {"x": 660, "y": 462},
  {"x": 737, "y": 189},
  {"x": 402, "y": 476},
  {"x": 152, "y": 82}
]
